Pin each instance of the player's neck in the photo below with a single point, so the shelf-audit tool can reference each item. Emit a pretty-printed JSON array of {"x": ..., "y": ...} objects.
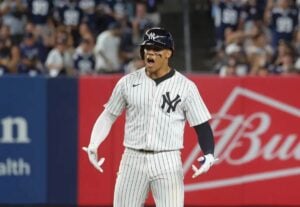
[{"x": 158, "y": 73}]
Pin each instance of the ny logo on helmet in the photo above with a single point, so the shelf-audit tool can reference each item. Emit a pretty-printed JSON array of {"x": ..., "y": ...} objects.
[
  {"x": 171, "y": 103},
  {"x": 152, "y": 36}
]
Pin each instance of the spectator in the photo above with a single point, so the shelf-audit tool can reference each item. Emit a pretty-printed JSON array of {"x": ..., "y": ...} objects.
[
  {"x": 31, "y": 28},
  {"x": 296, "y": 42},
  {"x": 10, "y": 52},
  {"x": 71, "y": 16},
  {"x": 84, "y": 29},
  {"x": 13, "y": 15},
  {"x": 59, "y": 4},
  {"x": 259, "y": 66},
  {"x": 140, "y": 23},
  {"x": 104, "y": 17},
  {"x": 259, "y": 46},
  {"x": 89, "y": 8},
  {"x": 259, "y": 54},
  {"x": 30, "y": 47},
  {"x": 119, "y": 10},
  {"x": 5, "y": 35},
  {"x": 4, "y": 58},
  {"x": 152, "y": 11},
  {"x": 253, "y": 11},
  {"x": 83, "y": 58},
  {"x": 229, "y": 69},
  {"x": 9, "y": 57},
  {"x": 48, "y": 34},
  {"x": 236, "y": 63},
  {"x": 282, "y": 21},
  {"x": 283, "y": 48},
  {"x": 128, "y": 49},
  {"x": 39, "y": 11},
  {"x": 15, "y": 57},
  {"x": 286, "y": 66},
  {"x": 59, "y": 60},
  {"x": 108, "y": 61},
  {"x": 226, "y": 14},
  {"x": 30, "y": 65},
  {"x": 62, "y": 32}
]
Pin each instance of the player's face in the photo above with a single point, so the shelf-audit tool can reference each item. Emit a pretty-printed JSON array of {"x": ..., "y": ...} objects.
[{"x": 156, "y": 58}]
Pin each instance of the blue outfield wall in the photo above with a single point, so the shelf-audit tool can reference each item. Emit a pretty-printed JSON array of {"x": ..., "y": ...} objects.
[
  {"x": 38, "y": 125},
  {"x": 62, "y": 130}
]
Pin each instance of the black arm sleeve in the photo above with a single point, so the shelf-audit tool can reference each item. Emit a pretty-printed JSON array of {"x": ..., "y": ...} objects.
[{"x": 205, "y": 138}]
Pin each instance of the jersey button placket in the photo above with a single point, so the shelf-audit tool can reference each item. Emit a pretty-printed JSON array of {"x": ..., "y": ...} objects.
[{"x": 152, "y": 115}]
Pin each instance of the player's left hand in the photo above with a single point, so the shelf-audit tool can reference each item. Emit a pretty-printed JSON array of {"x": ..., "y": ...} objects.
[
  {"x": 206, "y": 162},
  {"x": 93, "y": 157}
]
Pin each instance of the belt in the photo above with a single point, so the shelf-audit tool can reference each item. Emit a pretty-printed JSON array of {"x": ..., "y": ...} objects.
[{"x": 149, "y": 151}]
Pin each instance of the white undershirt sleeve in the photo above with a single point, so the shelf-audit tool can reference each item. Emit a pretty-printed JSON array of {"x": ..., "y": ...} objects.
[{"x": 101, "y": 128}]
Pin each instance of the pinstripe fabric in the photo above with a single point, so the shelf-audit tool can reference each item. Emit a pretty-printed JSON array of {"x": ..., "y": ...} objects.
[
  {"x": 155, "y": 119},
  {"x": 132, "y": 184},
  {"x": 148, "y": 125},
  {"x": 141, "y": 172}
]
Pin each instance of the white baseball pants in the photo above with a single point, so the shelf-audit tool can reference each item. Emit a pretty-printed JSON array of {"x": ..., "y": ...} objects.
[{"x": 141, "y": 172}]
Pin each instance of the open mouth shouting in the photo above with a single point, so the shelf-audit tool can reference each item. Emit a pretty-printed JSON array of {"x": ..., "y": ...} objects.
[{"x": 150, "y": 62}]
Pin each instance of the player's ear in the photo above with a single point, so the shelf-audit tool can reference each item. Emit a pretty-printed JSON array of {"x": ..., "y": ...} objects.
[{"x": 168, "y": 53}]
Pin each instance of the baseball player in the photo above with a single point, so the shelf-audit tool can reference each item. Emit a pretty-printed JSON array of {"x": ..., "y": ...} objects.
[{"x": 158, "y": 100}]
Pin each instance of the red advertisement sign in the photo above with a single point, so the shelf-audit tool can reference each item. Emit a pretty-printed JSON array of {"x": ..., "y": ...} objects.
[{"x": 257, "y": 136}]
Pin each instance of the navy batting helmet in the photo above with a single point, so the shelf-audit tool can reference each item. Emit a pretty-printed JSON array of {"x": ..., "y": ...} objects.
[{"x": 157, "y": 37}]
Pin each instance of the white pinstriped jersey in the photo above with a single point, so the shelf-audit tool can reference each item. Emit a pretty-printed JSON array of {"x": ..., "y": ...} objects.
[{"x": 156, "y": 114}]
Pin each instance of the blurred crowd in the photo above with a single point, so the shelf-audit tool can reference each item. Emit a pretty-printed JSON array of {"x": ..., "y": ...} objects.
[
  {"x": 256, "y": 37},
  {"x": 73, "y": 37}
]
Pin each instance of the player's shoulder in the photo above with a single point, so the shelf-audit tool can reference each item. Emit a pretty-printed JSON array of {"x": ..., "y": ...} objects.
[
  {"x": 135, "y": 74},
  {"x": 132, "y": 77},
  {"x": 181, "y": 78}
]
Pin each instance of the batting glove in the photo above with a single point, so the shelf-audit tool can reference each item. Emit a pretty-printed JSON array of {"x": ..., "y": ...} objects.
[
  {"x": 206, "y": 162},
  {"x": 93, "y": 157}
]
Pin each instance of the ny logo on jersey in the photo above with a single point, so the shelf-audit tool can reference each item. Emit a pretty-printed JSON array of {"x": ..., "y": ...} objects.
[{"x": 171, "y": 103}]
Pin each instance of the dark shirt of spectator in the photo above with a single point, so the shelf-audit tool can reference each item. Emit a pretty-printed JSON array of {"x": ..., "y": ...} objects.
[
  {"x": 104, "y": 16},
  {"x": 89, "y": 8},
  {"x": 152, "y": 5},
  {"x": 283, "y": 22},
  {"x": 227, "y": 15},
  {"x": 39, "y": 11},
  {"x": 30, "y": 66},
  {"x": 252, "y": 12},
  {"x": 31, "y": 47},
  {"x": 84, "y": 59},
  {"x": 71, "y": 14},
  {"x": 4, "y": 60}
]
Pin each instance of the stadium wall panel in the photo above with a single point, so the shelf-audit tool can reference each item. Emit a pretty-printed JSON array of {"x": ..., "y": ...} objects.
[{"x": 45, "y": 122}]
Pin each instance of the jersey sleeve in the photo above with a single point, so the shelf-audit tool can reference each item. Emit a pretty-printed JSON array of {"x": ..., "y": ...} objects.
[
  {"x": 117, "y": 102},
  {"x": 195, "y": 108}
]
